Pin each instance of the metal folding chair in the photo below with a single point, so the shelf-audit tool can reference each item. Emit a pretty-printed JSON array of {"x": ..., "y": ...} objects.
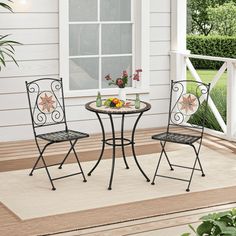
[
  {"x": 184, "y": 105},
  {"x": 47, "y": 109}
]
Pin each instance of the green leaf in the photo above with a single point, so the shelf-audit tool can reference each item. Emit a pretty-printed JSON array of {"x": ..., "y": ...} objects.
[
  {"x": 186, "y": 234},
  {"x": 205, "y": 228},
  {"x": 209, "y": 217},
  {"x": 191, "y": 227},
  {"x": 233, "y": 211},
  {"x": 216, "y": 231},
  {"x": 4, "y": 5},
  {"x": 230, "y": 231},
  {"x": 222, "y": 225},
  {"x": 222, "y": 214}
]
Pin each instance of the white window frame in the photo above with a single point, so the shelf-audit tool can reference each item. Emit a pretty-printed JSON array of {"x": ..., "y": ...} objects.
[{"x": 142, "y": 18}]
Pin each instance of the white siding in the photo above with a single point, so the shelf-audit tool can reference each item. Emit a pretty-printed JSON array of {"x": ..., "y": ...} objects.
[
  {"x": 36, "y": 26},
  {"x": 160, "y": 35}
]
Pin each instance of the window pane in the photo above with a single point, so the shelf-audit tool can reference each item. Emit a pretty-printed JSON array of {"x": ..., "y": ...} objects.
[
  {"x": 116, "y": 38},
  {"x": 84, "y": 73},
  {"x": 115, "y": 10},
  {"x": 115, "y": 66},
  {"x": 83, "y": 40},
  {"x": 83, "y": 10}
]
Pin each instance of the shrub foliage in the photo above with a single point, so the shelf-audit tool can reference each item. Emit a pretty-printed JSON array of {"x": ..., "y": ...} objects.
[{"x": 220, "y": 46}]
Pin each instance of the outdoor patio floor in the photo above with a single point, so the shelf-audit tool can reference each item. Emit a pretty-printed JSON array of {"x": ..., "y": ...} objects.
[{"x": 21, "y": 155}]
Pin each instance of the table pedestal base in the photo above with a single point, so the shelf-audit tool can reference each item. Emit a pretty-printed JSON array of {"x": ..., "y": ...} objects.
[{"x": 113, "y": 142}]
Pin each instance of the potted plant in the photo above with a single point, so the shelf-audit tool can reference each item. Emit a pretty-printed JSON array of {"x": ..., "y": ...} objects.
[
  {"x": 122, "y": 82},
  {"x": 6, "y": 46},
  {"x": 216, "y": 224}
]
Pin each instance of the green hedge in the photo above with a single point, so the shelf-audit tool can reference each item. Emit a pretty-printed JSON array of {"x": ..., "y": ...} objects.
[{"x": 220, "y": 46}]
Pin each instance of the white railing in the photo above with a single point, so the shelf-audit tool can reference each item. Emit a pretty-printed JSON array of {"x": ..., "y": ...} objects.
[{"x": 181, "y": 61}]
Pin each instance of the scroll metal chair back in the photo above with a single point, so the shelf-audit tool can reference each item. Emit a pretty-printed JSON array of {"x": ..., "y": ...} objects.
[
  {"x": 47, "y": 110},
  {"x": 188, "y": 101},
  {"x": 46, "y": 102}
]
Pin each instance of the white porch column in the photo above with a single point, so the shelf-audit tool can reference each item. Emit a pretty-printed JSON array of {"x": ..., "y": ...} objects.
[
  {"x": 178, "y": 38},
  {"x": 231, "y": 100}
]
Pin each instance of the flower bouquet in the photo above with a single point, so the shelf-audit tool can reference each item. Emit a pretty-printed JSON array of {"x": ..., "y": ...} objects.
[{"x": 122, "y": 81}]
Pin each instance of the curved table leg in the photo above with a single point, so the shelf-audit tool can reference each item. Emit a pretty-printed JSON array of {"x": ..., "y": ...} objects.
[
  {"x": 133, "y": 149},
  {"x": 122, "y": 141},
  {"x": 103, "y": 145},
  {"x": 113, "y": 151}
]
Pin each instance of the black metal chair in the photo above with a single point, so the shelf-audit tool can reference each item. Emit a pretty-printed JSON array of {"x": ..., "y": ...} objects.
[
  {"x": 47, "y": 109},
  {"x": 181, "y": 129}
]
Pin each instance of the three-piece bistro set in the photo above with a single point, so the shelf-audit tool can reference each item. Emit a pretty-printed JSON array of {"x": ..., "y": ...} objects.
[{"x": 47, "y": 108}]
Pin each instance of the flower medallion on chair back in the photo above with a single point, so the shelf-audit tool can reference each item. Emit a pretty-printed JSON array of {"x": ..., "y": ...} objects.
[
  {"x": 46, "y": 102},
  {"x": 188, "y": 101}
]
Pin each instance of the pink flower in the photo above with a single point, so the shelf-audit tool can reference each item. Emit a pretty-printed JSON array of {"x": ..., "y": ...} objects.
[
  {"x": 139, "y": 70},
  {"x": 137, "y": 75},
  {"x": 125, "y": 73},
  {"x": 108, "y": 77},
  {"x": 119, "y": 82}
]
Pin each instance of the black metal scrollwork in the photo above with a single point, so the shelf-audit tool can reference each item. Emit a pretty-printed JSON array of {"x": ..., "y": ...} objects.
[
  {"x": 51, "y": 116},
  {"x": 58, "y": 114},
  {"x": 178, "y": 116}
]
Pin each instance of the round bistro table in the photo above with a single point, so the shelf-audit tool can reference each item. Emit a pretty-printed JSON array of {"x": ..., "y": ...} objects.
[{"x": 118, "y": 141}]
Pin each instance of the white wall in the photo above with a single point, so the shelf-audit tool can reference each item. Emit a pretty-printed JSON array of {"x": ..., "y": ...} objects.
[{"x": 36, "y": 26}]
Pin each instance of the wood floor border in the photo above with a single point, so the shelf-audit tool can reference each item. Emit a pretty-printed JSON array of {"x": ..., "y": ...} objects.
[{"x": 119, "y": 213}]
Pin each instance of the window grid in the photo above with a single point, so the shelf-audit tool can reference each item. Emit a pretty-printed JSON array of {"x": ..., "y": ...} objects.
[{"x": 100, "y": 55}]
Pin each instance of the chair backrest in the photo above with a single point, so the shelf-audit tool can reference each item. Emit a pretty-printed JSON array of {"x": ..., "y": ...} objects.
[
  {"x": 46, "y": 102},
  {"x": 188, "y": 103}
]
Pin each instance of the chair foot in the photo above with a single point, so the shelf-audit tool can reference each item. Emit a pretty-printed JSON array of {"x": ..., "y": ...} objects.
[
  {"x": 85, "y": 180},
  {"x": 148, "y": 180},
  {"x": 30, "y": 174},
  {"x": 60, "y": 167},
  {"x": 53, "y": 189},
  {"x": 109, "y": 188},
  {"x": 152, "y": 183},
  {"x": 89, "y": 174},
  {"x": 187, "y": 190},
  {"x": 203, "y": 175},
  {"x": 127, "y": 167},
  {"x": 172, "y": 169}
]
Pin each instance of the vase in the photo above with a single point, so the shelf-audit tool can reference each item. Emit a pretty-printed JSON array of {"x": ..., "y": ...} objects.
[{"x": 122, "y": 94}]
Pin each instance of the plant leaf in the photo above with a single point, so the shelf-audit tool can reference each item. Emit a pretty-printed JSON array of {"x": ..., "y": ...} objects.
[
  {"x": 205, "y": 228},
  {"x": 4, "y": 5},
  {"x": 230, "y": 231},
  {"x": 191, "y": 227}
]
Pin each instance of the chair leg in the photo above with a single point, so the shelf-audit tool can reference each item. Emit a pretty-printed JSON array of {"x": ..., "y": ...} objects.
[
  {"x": 158, "y": 164},
  {"x": 68, "y": 153},
  {"x": 77, "y": 158},
  {"x": 40, "y": 156},
  {"x": 36, "y": 163},
  {"x": 49, "y": 176},
  {"x": 44, "y": 163},
  {"x": 198, "y": 159},
  {"x": 163, "y": 147},
  {"x": 190, "y": 180},
  {"x": 195, "y": 162}
]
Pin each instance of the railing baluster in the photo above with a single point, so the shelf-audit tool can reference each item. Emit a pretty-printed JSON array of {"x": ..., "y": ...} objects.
[
  {"x": 210, "y": 101},
  {"x": 231, "y": 100},
  {"x": 181, "y": 60}
]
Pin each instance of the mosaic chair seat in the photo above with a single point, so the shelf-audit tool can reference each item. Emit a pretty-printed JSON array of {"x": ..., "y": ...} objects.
[
  {"x": 47, "y": 110},
  {"x": 181, "y": 128}
]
